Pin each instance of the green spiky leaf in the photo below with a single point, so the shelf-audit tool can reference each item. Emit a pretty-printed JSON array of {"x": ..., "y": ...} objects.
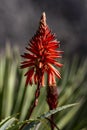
[
  {"x": 5, "y": 124},
  {"x": 51, "y": 112}
]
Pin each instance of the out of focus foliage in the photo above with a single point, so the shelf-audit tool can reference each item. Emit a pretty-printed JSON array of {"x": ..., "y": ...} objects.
[{"x": 16, "y": 98}]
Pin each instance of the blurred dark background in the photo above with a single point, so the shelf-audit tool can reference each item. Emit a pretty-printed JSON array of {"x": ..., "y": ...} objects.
[{"x": 67, "y": 18}]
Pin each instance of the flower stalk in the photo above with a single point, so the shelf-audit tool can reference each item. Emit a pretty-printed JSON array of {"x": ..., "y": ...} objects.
[{"x": 37, "y": 93}]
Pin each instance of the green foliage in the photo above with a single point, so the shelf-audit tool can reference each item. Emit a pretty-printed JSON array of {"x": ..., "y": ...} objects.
[
  {"x": 16, "y": 98},
  {"x": 7, "y": 122}
]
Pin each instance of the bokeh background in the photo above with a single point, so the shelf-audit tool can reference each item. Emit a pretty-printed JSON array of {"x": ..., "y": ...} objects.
[
  {"x": 19, "y": 20},
  {"x": 67, "y": 18}
]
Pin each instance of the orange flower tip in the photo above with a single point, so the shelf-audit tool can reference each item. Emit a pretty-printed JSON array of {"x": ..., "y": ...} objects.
[
  {"x": 59, "y": 76},
  {"x": 59, "y": 56},
  {"x": 43, "y": 19},
  {"x": 61, "y": 52},
  {"x": 61, "y": 65}
]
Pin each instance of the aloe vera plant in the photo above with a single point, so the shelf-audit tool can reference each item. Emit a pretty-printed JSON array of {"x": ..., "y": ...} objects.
[{"x": 69, "y": 93}]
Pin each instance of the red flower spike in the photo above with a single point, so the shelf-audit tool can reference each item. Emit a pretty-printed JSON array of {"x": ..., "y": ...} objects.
[{"x": 42, "y": 55}]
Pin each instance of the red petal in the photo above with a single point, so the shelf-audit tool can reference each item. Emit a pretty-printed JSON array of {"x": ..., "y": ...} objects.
[
  {"x": 34, "y": 51},
  {"x": 56, "y": 72},
  {"x": 58, "y": 64},
  {"x": 35, "y": 78},
  {"x": 49, "y": 78},
  {"x": 28, "y": 56},
  {"x": 29, "y": 75},
  {"x": 53, "y": 79},
  {"x": 27, "y": 65},
  {"x": 54, "y": 62},
  {"x": 53, "y": 56}
]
